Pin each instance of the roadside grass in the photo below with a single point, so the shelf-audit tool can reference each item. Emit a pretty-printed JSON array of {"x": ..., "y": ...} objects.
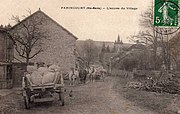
[{"x": 162, "y": 103}]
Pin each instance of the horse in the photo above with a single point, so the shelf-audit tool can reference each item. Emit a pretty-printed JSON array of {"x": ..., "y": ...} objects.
[
  {"x": 92, "y": 73},
  {"x": 83, "y": 75},
  {"x": 73, "y": 75}
]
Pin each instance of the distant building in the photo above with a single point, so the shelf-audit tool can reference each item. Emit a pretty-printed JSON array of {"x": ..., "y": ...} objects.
[
  {"x": 137, "y": 46},
  {"x": 116, "y": 48},
  {"x": 118, "y": 44}
]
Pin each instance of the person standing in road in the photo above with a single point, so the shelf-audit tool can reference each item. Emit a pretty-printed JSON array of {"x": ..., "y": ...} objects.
[{"x": 71, "y": 76}]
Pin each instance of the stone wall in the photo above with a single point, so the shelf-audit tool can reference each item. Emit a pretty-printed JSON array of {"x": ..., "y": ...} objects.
[{"x": 6, "y": 47}]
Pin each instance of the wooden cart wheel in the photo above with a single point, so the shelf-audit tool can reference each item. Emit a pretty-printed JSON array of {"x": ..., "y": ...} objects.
[
  {"x": 61, "y": 97},
  {"x": 26, "y": 102}
]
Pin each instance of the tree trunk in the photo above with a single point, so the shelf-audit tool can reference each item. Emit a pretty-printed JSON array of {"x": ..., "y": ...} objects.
[
  {"x": 27, "y": 60},
  {"x": 155, "y": 49},
  {"x": 155, "y": 57}
]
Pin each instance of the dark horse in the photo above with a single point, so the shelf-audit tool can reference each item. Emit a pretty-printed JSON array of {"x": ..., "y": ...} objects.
[{"x": 83, "y": 75}]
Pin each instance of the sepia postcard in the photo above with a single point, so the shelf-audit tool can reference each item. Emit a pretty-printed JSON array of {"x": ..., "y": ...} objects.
[{"x": 89, "y": 57}]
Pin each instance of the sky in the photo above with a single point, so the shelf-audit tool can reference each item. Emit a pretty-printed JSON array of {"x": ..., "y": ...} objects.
[{"x": 97, "y": 24}]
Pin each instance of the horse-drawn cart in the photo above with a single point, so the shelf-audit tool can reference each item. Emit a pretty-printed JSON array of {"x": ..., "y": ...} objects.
[
  {"x": 100, "y": 74},
  {"x": 43, "y": 92}
]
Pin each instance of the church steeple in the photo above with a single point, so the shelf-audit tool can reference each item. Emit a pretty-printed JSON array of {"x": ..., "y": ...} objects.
[{"x": 118, "y": 39}]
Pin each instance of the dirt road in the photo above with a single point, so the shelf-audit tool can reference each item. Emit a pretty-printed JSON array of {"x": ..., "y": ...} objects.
[{"x": 92, "y": 98}]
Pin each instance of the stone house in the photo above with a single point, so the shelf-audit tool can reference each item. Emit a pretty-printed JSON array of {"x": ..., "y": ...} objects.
[
  {"x": 6, "y": 57},
  {"x": 59, "y": 46}
]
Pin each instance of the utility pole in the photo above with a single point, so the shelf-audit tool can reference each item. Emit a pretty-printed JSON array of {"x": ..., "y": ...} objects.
[{"x": 110, "y": 66}]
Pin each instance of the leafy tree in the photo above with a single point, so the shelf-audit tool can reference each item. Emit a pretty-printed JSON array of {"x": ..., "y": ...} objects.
[
  {"x": 108, "y": 49},
  {"x": 101, "y": 55},
  {"x": 114, "y": 49},
  {"x": 90, "y": 51},
  {"x": 103, "y": 48}
]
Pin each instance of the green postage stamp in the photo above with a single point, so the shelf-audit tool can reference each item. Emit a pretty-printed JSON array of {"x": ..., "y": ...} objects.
[{"x": 166, "y": 13}]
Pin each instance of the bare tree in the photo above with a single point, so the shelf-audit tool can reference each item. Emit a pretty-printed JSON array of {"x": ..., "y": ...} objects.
[
  {"x": 28, "y": 36},
  {"x": 155, "y": 37},
  {"x": 174, "y": 50},
  {"x": 149, "y": 35}
]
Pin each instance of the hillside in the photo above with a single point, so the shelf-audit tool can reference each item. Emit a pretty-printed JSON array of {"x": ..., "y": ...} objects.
[{"x": 100, "y": 43}]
